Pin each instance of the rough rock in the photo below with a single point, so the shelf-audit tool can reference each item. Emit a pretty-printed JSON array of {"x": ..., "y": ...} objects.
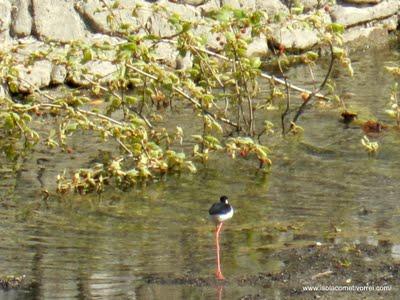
[
  {"x": 22, "y": 19},
  {"x": 295, "y": 39},
  {"x": 361, "y": 37},
  {"x": 3, "y": 91},
  {"x": 184, "y": 63},
  {"x": 391, "y": 23},
  {"x": 58, "y": 74},
  {"x": 351, "y": 16},
  {"x": 363, "y": 1},
  {"x": 5, "y": 20},
  {"x": 101, "y": 71},
  {"x": 95, "y": 14},
  {"x": 99, "y": 39},
  {"x": 194, "y": 2},
  {"x": 60, "y": 20},
  {"x": 159, "y": 24},
  {"x": 35, "y": 76},
  {"x": 272, "y": 7},
  {"x": 214, "y": 40},
  {"x": 245, "y": 4},
  {"x": 26, "y": 47},
  {"x": 57, "y": 20},
  {"x": 258, "y": 47},
  {"x": 108, "y": 44},
  {"x": 294, "y": 35},
  {"x": 209, "y": 6},
  {"x": 312, "y": 4},
  {"x": 166, "y": 53}
]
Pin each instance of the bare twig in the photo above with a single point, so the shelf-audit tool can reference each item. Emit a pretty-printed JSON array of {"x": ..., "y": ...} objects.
[
  {"x": 111, "y": 11},
  {"x": 78, "y": 110},
  {"x": 322, "y": 274},
  {"x": 263, "y": 74},
  {"x": 283, "y": 116},
  {"x": 185, "y": 95},
  {"x": 119, "y": 97}
]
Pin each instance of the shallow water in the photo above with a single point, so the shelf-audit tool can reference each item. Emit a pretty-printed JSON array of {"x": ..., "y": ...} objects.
[{"x": 319, "y": 189}]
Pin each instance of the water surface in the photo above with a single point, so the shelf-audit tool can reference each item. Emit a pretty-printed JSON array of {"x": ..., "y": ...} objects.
[{"x": 319, "y": 189}]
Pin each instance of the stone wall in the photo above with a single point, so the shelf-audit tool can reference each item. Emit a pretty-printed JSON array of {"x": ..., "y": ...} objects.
[{"x": 33, "y": 23}]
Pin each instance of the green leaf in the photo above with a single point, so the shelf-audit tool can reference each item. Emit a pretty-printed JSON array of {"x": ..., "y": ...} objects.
[
  {"x": 15, "y": 116},
  {"x": 71, "y": 127},
  {"x": 338, "y": 52},
  {"x": 393, "y": 70},
  {"x": 211, "y": 139},
  {"x": 132, "y": 173},
  {"x": 151, "y": 37},
  {"x": 297, "y": 10},
  {"x": 116, "y": 4},
  {"x": 8, "y": 121},
  {"x": 197, "y": 137},
  {"x": 130, "y": 100},
  {"x": 52, "y": 133},
  {"x": 132, "y": 46},
  {"x": 311, "y": 55},
  {"x": 13, "y": 86},
  {"x": 336, "y": 28},
  {"x": 191, "y": 167},
  {"x": 255, "y": 62},
  {"x": 239, "y": 14},
  {"x": 186, "y": 27},
  {"x": 256, "y": 18},
  {"x": 87, "y": 55},
  {"x": 222, "y": 15}
]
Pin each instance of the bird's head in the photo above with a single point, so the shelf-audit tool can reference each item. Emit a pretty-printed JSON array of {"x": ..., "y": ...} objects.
[{"x": 224, "y": 199}]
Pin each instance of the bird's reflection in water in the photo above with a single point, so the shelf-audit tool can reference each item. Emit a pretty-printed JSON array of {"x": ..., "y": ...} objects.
[{"x": 219, "y": 289}]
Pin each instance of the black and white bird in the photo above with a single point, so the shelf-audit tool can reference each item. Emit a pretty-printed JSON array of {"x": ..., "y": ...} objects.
[{"x": 220, "y": 212}]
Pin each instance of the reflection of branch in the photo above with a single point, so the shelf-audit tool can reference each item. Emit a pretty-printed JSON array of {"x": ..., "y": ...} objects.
[{"x": 314, "y": 93}]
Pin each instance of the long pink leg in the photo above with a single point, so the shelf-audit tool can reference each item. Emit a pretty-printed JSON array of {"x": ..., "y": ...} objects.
[{"x": 218, "y": 273}]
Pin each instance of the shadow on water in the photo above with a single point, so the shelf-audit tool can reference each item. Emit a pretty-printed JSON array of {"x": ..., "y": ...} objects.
[{"x": 156, "y": 242}]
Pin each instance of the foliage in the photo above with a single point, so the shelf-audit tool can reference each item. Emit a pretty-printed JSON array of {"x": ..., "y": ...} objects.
[
  {"x": 394, "y": 110},
  {"x": 370, "y": 147},
  {"x": 222, "y": 90}
]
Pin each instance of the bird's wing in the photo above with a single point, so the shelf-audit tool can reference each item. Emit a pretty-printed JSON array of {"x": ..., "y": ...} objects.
[
  {"x": 219, "y": 208},
  {"x": 215, "y": 208}
]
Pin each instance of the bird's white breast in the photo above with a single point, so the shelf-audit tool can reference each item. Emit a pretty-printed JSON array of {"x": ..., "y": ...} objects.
[{"x": 222, "y": 217}]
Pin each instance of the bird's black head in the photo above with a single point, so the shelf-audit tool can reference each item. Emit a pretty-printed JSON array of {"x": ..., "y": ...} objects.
[{"x": 224, "y": 199}]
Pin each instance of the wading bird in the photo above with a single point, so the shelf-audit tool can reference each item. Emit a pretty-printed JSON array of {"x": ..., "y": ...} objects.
[{"x": 220, "y": 212}]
